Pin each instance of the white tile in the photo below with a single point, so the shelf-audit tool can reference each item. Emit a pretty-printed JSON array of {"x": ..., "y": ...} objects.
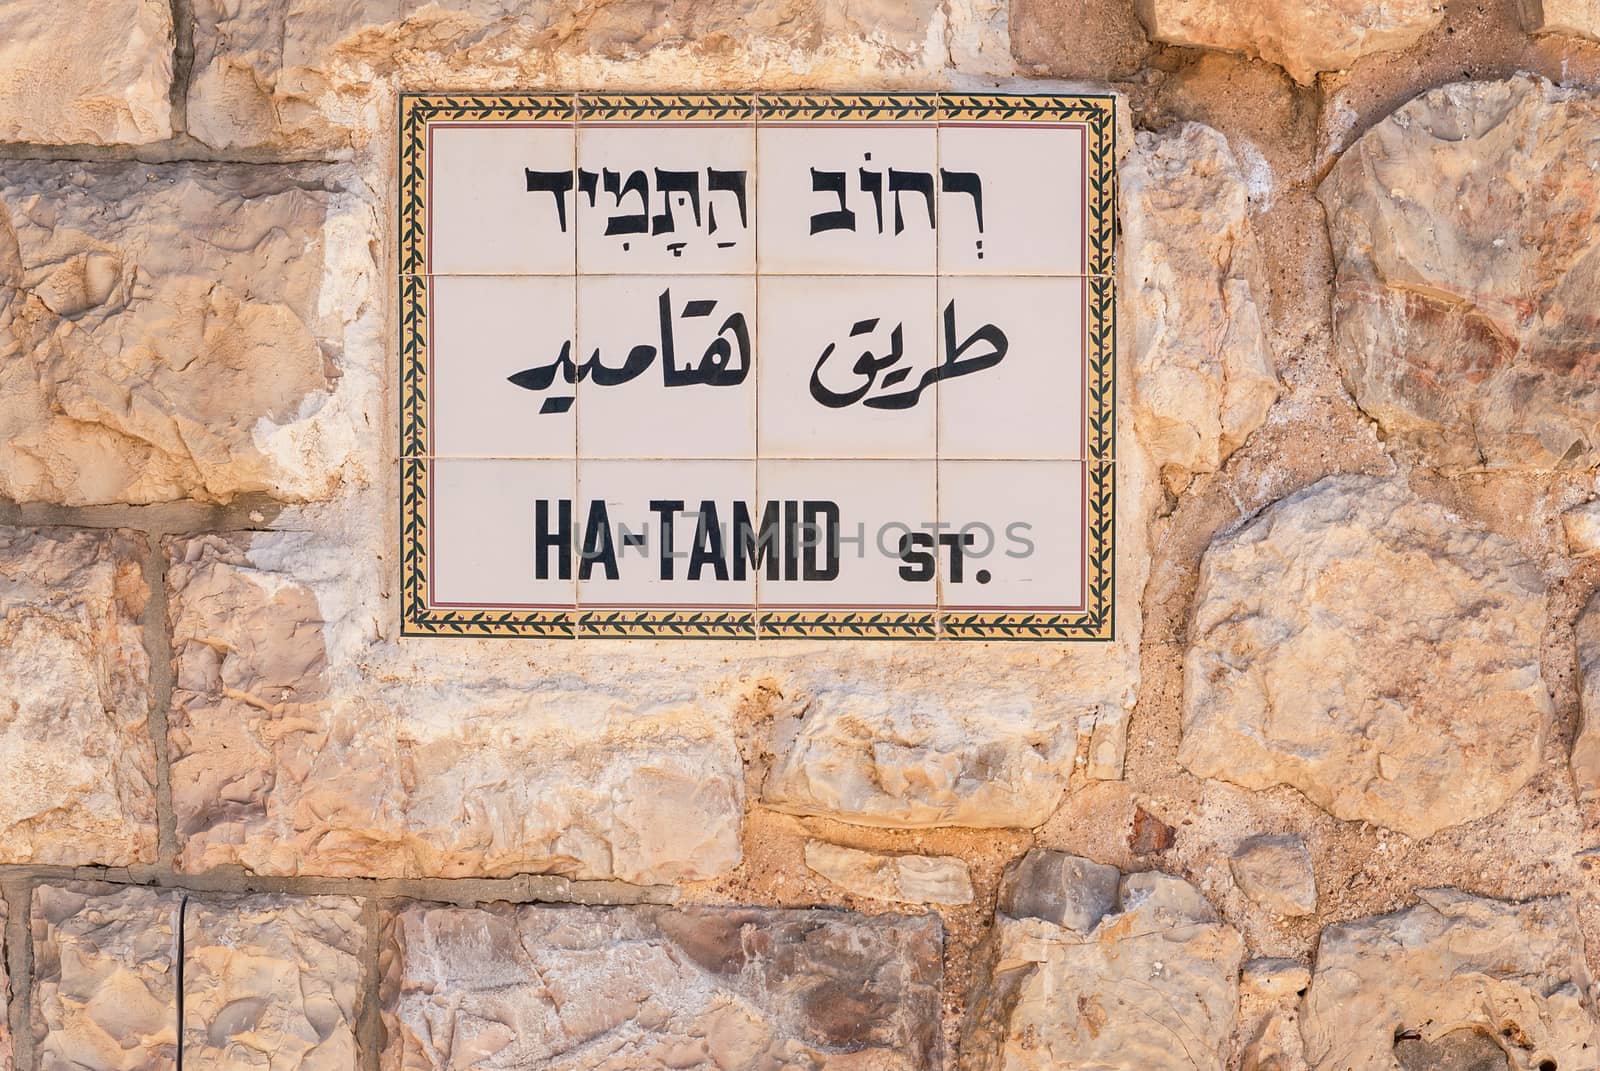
[
  {"x": 482, "y": 218},
  {"x": 856, "y": 513},
  {"x": 1034, "y": 200},
  {"x": 487, "y": 546},
  {"x": 698, "y": 567},
  {"x": 483, "y": 331},
  {"x": 848, "y": 199},
  {"x": 1029, "y": 405},
  {"x": 820, "y": 397},
  {"x": 1024, "y": 524},
  {"x": 694, "y": 395},
  {"x": 689, "y": 186}
]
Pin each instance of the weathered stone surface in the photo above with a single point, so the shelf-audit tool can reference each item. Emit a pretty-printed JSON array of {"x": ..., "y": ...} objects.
[
  {"x": 1585, "y": 756},
  {"x": 639, "y": 989},
  {"x": 75, "y": 718},
  {"x": 1368, "y": 649},
  {"x": 1464, "y": 318},
  {"x": 1274, "y": 979},
  {"x": 91, "y": 73},
  {"x": 105, "y": 977},
  {"x": 287, "y": 759},
  {"x": 1275, "y": 872},
  {"x": 181, "y": 331},
  {"x": 1581, "y": 527},
  {"x": 907, "y": 879},
  {"x": 1203, "y": 374},
  {"x": 1152, "y": 986},
  {"x": 915, "y": 759},
  {"x": 1094, "y": 39},
  {"x": 305, "y": 74},
  {"x": 1580, "y": 18},
  {"x": 1064, "y": 890},
  {"x": 1303, "y": 36},
  {"x": 271, "y": 982},
  {"x": 1453, "y": 966}
]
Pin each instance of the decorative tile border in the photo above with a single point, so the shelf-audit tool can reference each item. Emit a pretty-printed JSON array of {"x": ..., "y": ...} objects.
[{"x": 1094, "y": 622}]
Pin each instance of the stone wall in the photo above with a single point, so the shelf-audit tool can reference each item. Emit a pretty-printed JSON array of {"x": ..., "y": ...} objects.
[{"x": 1330, "y": 801}]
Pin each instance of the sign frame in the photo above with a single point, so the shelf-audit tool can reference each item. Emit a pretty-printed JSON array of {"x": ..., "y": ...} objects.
[{"x": 421, "y": 617}]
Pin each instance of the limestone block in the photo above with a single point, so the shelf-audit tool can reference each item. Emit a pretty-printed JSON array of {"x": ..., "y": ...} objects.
[
  {"x": 648, "y": 989},
  {"x": 1196, "y": 285},
  {"x": 1302, "y": 36},
  {"x": 1152, "y": 986},
  {"x": 105, "y": 978},
  {"x": 75, "y": 720},
  {"x": 289, "y": 759},
  {"x": 85, "y": 72},
  {"x": 308, "y": 75},
  {"x": 915, "y": 759},
  {"x": 1580, "y": 18},
  {"x": 1369, "y": 649},
  {"x": 907, "y": 879},
  {"x": 1463, "y": 309},
  {"x": 1447, "y": 983},
  {"x": 268, "y": 981},
  {"x": 1275, "y": 872},
  {"x": 184, "y": 331},
  {"x": 271, "y": 982}
]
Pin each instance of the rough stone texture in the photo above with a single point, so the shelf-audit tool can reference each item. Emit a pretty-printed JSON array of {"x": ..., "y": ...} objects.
[
  {"x": 1091, "y": 39},
  {"x": 1464, "y": 230},
  {"x": 637, "y": 989},
  {"x": 285, "y": 766},
  {"x": 271, "y": 982},
  {"x": 1197, "y": 292},
  {"x": 1303, "y": 36},
  {"x": 79, "y": 785},
  {"x": 105, "y": 978},
  {"x": 1585, "y": 757},
  {"x": 1369, "y": 649},
  {"x": 305, "y": 74},
  {"x": 1268, "y": 1037},
  {"x": 1275, "y": 872},
  {"x": 1063, "y": 890},
  {"x": 1274, "y": 978},
  {"x": 1581, "y": 527},
  {"x": 180, "y": 331},
  {"x": 906, "y": 879},
  {"x": 1150, "y": 986},
  {"x": 1578, "y": 17},
  {"x": 957, "y": 757},
  {"x": 91, "y": 72},
  {"x": 1453, "y": 966}
]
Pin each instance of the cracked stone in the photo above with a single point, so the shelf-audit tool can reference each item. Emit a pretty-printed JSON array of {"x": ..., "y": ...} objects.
[
  {"x": 1463, "y": 310},
  {"x": 1364, "y": 646},
  {"x": 652, "y": 989}
]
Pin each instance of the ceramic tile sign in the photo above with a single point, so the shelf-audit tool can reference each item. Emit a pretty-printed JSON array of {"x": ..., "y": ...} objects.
[{"x": 757, "y": 367}]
